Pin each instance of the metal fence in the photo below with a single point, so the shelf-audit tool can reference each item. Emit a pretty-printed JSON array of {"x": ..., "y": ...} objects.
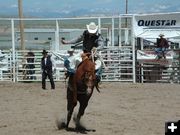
[
  {"x": 158, "y": 72},
  {"x": 42, "y": 34},
  {"x": 119, "y": 55}
]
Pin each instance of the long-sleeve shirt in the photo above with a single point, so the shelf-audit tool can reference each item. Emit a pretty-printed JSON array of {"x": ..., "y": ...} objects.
[
  {"x": 89, "y": 41},
  {"x": 46, "y": 64},
  {"x": 162, "y": 43}
]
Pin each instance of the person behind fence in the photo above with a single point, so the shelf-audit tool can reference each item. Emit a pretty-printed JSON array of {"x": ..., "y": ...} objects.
[
  {"x": 90, "y": 39},
  {"x": 46, "y": 67},
  {"x": 69, "y": 63},
  {"x": 30, "y": 64},
  {"x": 162, "y": 45}
]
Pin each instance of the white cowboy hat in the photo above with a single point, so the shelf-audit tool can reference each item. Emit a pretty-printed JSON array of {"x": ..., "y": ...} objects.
[
  {"x": 70, "y": 50},
  {"x": 92, "y": 28},
  {"x": 161, "y": 35}
]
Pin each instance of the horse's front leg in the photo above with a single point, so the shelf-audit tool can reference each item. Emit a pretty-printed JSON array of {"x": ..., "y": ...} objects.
[
  {"x": 81, "y": 111},
  {"x": 70, "y": 106},
  {"x": 69, "y": 115}
]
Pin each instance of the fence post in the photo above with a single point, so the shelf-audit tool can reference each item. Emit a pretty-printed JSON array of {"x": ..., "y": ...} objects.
[
  {"x": 13, "y": 50},
  {"x": 133, "y": 50}
]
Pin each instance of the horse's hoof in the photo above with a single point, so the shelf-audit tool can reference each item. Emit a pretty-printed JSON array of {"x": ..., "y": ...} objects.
[
  {"x": 67, "y": 129},
  {"x": 80, "y": 127}
]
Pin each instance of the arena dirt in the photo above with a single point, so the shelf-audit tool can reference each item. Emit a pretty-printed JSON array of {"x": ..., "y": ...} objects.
[{"x": 120, "y": 109}]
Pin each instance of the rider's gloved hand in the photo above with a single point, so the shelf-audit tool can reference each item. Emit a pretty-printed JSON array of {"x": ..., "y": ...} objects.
[
  {"x": 63, "y": 40},
  {"x": 94, "y": 49}
]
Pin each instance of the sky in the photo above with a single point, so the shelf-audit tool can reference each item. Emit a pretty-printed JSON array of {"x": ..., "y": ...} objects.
[{"x": 58, "y": 8}]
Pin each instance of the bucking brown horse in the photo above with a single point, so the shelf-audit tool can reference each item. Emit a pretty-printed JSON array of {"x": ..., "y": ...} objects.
[{"x": 80, "y": 88}]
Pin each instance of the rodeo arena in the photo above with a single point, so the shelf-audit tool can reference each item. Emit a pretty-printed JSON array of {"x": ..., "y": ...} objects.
[{"x": 138, "y": 92}]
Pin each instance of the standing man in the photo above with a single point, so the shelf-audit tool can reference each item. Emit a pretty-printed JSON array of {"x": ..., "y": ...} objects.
[
  {"x": 162, "y": 45},
  {"x": 46, "y": 67}
]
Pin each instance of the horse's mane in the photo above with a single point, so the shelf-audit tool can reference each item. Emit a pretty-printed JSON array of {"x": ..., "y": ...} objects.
[
  {"x": 85, "y": 65},
  {"x": 82, "y": 63}
]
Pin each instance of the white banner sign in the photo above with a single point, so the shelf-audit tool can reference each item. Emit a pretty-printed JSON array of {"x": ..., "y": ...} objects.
[{"x": 145, "y": 24}]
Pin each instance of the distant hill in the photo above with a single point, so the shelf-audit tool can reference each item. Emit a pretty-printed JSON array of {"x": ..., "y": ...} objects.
[
  {"x": 9, "y": 12},
  {"x": 53, "y": 14}
]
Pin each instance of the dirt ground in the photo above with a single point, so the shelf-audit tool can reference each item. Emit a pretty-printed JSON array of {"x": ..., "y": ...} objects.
[{"x": 120, "y": 109}]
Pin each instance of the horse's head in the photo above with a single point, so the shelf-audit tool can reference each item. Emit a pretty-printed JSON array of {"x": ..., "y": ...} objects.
[{"x": 89, "y": 76}]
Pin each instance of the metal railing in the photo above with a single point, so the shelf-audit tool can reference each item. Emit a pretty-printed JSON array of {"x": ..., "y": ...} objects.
[{"x": 46, "y": 34}]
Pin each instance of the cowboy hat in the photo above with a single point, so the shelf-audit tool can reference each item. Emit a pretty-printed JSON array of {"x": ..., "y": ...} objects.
[
  {"x": 70, "y": 51},
  {"x": 161, "y": 35},
  {"x": 44, "y": 52},
  {"x": 92, "y": 28}
]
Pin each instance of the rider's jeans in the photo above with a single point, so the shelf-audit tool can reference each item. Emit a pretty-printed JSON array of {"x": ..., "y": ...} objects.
[{"x": 160, "y": 50}]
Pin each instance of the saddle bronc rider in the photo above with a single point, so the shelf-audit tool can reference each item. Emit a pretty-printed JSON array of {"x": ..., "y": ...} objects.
[{"x": 90, "y": 39}]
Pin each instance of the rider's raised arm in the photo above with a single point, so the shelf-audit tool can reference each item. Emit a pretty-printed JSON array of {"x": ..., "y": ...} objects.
[{"x": 73, "y": 41}]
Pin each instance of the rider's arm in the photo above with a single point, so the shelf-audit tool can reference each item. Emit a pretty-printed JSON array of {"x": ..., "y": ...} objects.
[
  {"x": 166, "y": 44},
  {"x": 73, "y": 41}
]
